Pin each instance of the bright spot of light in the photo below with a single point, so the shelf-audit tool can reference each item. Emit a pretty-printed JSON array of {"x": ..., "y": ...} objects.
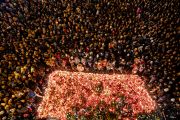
[{"x": 65, "y": 90}]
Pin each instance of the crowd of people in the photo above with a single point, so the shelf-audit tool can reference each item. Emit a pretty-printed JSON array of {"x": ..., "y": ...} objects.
[{"x": 129, "y": 36}]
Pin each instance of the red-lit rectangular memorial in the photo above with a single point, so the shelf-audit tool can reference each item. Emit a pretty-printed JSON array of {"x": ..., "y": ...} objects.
[{"x": 66, "y": 90}]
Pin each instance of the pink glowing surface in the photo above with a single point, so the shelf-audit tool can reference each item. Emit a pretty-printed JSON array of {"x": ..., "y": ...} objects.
[{"x": 65, "y": 89}]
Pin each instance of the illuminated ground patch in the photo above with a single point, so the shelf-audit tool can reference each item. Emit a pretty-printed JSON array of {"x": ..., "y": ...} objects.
[{"x": 68, "y": 89}]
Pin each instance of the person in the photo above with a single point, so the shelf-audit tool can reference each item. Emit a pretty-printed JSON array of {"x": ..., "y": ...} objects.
[{"x": 92, "y": 31}]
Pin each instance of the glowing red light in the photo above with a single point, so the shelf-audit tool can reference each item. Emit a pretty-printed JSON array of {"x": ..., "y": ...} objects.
[{"x": 65, "y": 90}]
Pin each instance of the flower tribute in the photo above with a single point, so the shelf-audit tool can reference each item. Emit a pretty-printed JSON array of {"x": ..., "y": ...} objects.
[{"x": 66, "y": 90}]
